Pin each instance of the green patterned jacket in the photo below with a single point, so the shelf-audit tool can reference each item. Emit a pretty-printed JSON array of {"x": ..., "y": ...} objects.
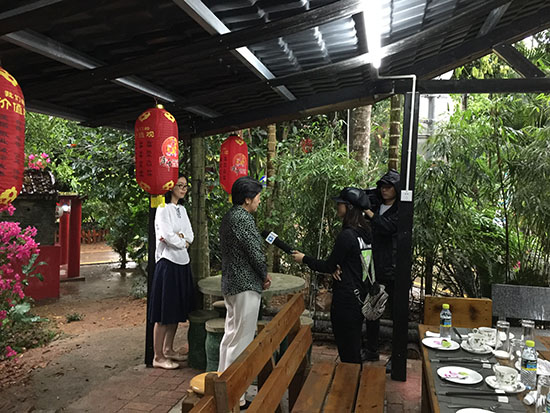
[{"x": 244, "y": 266}]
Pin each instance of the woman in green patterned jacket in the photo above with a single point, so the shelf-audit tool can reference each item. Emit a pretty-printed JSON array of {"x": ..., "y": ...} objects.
[{"x": 244, "y": 270}]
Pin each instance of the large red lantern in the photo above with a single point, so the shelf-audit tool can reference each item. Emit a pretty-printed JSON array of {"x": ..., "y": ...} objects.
[
  {"x": 233, "y": 161},
  {"x": 156, "y": 153},
  {"x": 12, "y": 138}
]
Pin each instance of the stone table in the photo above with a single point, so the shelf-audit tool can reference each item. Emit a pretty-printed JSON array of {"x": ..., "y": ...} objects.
[{"x": 280, "y": 284}]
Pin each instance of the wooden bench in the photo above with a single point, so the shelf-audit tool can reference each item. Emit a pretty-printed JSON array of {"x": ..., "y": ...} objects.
[{"x": 329, "y": 387}]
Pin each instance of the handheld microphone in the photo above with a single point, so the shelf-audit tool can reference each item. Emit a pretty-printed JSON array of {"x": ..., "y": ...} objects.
[{"x": 272, "y": 238}]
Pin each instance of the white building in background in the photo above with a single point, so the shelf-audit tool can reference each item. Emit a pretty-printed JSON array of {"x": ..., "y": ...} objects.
[{"x": 433, "y": 109}]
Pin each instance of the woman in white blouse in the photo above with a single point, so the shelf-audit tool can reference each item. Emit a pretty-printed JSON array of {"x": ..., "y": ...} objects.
[{"x": 172, "y": 292}]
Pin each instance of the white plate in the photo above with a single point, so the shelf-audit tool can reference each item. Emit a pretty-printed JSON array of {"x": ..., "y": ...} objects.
[
  {"x": 460, "y": 375},
  {"x": 466, "y": 346},
  {"x": 492, "y": 382},
  {"x": 501, "y": 354},
  {"x": 435, "y": 342},
  {"x": 473, "y": 410}
]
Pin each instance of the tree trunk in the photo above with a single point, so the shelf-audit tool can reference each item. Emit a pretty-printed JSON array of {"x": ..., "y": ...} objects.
[
  {"x": 199, "y": 251},
  {"x": 271, "y": 153},
  {"x": 395, "y": 132},
  {"x": 360, "y": 138}
]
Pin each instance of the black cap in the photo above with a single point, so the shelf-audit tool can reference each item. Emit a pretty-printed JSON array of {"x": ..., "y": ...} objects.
[{"x": 354, "y": 196}]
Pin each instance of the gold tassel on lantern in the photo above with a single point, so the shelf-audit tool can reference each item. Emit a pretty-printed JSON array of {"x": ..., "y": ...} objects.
[{"x": 157, "y": 201}]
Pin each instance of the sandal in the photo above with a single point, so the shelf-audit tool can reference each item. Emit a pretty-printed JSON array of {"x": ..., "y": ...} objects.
[{"x": 168, "y": 364}]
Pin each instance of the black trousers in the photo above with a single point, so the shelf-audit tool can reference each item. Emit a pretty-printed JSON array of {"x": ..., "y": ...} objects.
[
  {"x": 346, "y": 326},
  {"x": 373, "y": 327}
]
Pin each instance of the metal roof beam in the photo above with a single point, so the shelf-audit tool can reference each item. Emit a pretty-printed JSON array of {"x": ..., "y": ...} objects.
[
  {"x": 351, "y": 63},
  {"x": 531, "y": 85},
  {"x": 208, "y": 47},
  {"x": 60, "y": 52},
  {"x": 197, "y": 10},
  {"x": 517, "y": 61},
  {"x": 345, "y": 98},
  {"x": 493, "y": 19}
]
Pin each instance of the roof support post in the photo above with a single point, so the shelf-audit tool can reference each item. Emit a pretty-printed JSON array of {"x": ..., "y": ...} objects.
[{"x": 404, "y": 243}]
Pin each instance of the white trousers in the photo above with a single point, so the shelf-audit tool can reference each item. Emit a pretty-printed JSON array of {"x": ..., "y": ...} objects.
[{"x": 240, "y": 325}]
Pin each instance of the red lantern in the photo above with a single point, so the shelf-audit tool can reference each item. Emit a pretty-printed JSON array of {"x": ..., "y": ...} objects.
[
  {"x": 156, "y": 153},
  {"x": 233, "y": 161},
  {"x": 12, "y": 138}
]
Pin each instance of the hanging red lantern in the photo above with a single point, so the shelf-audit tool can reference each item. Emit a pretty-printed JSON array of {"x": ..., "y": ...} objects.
[
  {"x": 307, "y": 145},
  {"x": 12, "y": 138},
  {"x": 233, "y": 161},
  {"x": 157, "y": 153}
]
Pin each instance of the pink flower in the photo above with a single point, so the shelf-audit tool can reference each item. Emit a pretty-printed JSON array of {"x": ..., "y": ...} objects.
[
  {"x": 44, "y": 155},
  {"x": 31, "y": 157},
  {"x": 10, "y": 352}
]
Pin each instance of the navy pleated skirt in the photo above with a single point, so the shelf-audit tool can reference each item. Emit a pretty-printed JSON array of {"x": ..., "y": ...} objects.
[{"x": 172, "y": 293}]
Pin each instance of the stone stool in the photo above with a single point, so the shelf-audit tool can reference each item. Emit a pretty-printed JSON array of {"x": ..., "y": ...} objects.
[
  {"x": 196, "y": 337},
  {"x": 307, "y": 321},
  {"x": 215, "y": 329},
  {"x": 219, "y": 306}
]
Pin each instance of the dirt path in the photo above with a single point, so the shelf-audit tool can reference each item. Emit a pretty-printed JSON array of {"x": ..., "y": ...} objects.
[{"x": 108, "y": 340}]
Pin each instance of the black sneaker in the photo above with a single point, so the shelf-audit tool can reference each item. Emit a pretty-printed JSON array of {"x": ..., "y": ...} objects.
[
  {"x": 246, "y": 405},
  {"x": 367, "y": 355}
]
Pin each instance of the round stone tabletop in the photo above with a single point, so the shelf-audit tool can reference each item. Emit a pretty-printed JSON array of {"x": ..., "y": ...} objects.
[{"x": 280, "y": 284}]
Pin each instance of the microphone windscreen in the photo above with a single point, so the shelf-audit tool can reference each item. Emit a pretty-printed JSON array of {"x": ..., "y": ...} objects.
[{"x": 272, "y": 238}]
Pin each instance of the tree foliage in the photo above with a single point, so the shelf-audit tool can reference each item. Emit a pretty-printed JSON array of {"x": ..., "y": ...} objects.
[{"x": 482, "y": 202}]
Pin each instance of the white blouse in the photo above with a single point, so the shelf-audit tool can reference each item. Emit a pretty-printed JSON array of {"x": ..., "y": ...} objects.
[{"x": 171, "y": 221}]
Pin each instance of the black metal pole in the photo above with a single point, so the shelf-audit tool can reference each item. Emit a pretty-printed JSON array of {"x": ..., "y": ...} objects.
[
  {"x": 149, "y": 352},
  {"x": 404, "y": 241}
]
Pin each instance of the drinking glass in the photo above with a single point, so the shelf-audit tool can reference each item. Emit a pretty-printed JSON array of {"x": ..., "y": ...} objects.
[
  {"x": 502, "y": 341},
  {"x": 543, "y": 388},
  {"x": 516, "y": 347},
  {"x": 528, "y": 330}
]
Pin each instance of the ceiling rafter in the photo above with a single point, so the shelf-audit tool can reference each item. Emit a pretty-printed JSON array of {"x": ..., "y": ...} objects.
[
  {"x": 214, "y": 26},
  {"x": 517, "y": 61},
  {"x": 207, "y": 47},
  {"x": 32, "y": 14},
  {"x": 479, "y": 47},
  {"x": 60, "y": 52},
  {"x": 347, "y": 65}
]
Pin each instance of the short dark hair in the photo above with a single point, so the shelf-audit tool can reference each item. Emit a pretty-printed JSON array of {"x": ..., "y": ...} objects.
[
  {"x": 168, "y": 195},
  {"x": 244, "y": 187}
]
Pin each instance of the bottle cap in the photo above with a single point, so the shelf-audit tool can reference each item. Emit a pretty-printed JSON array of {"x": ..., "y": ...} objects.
[
  {"x": 530, "y": 343},
  {"x": 445, "y": 306}
]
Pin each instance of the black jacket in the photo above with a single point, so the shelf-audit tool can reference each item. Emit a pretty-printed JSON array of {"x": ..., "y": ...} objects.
[
  {"x": 384, "y": 232},
  {"x": 346, "y": 253}
]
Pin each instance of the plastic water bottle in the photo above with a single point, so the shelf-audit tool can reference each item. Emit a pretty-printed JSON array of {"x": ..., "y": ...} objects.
[
  {"x": 529, "y": 365},
  {"x": 547, "y": 409},
  {"x": 445, "y": 322}
]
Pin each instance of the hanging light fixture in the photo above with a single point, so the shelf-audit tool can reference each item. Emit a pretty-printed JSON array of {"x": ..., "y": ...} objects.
[
  {"x": 12, "y": 138},
  {"x": 157, "y": 154}
]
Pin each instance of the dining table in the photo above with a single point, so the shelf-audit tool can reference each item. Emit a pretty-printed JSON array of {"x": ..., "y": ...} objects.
[{"x": 444, "y": 395}]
